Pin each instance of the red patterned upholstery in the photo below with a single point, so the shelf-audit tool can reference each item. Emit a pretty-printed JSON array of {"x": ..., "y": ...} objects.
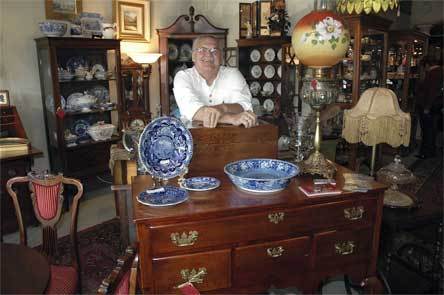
[
  {"x": 63, "y": 280},
  {"x": 47, "y": 200},
  {"x": 123, "y": 287}
]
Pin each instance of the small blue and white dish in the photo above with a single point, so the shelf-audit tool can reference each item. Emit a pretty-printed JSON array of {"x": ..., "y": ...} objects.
[
  {"x": 261, "y": 175},
  {"x": 165, "y": 147},
  {"x": 163, "y": 196},
  {"x": 75, "y": 62},
  {"x": 200, "y": 183},
  {"x": 53, "y": 28},
  {"x": 80, "y": 128}
]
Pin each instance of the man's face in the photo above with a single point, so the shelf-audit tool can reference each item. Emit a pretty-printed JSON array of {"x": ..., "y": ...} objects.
[{"x": 207, "y": 55}]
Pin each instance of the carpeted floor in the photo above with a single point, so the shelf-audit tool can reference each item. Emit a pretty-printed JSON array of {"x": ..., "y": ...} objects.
[
  {"x": 99, "y": 248},
  {"x": 100, "y": 245}
]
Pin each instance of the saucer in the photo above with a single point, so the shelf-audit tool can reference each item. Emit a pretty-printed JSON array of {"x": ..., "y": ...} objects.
[
  {"x": 200, "y": 183},
  {"x": 163, "y": 196}
]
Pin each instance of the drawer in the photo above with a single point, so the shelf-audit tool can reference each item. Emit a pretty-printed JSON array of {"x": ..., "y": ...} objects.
[
  {"x": 336, "y": 248},
  {"x": 274, "y": 262},
  {"x": 195, "y": 235},
  {"x": 214, "y": 269},
  {"x": 359, "y": 212}
]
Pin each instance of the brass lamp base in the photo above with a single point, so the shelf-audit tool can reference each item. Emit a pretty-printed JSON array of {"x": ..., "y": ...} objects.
[{"x": 317, "y": 164}]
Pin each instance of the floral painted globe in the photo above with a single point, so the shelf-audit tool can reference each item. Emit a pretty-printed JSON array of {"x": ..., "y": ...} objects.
[{"x": 320, "y": 39}]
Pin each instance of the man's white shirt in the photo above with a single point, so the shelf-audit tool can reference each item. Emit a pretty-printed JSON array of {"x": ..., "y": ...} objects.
[{"x": 192, "y": 92}]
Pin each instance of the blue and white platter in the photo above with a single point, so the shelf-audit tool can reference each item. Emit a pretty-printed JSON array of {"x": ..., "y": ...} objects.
[
  {"x": 165, "y": 147},
  {"x": 200, "y": 183},
  {"x": 80, "y": 128},
  {"x": 261, "y": 175},
  {"x": 163, "y": 196}
]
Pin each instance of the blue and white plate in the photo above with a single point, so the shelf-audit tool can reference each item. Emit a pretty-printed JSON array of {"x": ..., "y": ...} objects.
[
  {"x": 201, "y": 183},
  {"x": 80, "y": 127},
  {"x": 165, "y": 147},
  {"x": 163, "y": 196},
  {"x": 75, "y": 62}
]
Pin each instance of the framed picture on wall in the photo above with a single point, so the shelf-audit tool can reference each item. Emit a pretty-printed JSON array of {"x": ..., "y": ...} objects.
[
  {"x": 133, "y": 19},
  {"x": 4, "y": 98},
  {"x": 264, "y": 13},
  {"x": 62, "y": 9},
  {"x": 245, "y": 22}
]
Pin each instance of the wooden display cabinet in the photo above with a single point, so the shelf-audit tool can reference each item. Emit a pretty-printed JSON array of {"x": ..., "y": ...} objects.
[
  {"x": 403, "y": 70},
  {"x": 79, "y": 155},
  {"x": 269, "y": 69},
  {"x": 135, "y": 108},
  {"x": 175, "y": 43},
  {"x": 365, "y": 64}
]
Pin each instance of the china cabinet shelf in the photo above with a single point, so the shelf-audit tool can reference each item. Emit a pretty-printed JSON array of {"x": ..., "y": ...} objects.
[
  {"x": 89, "y": 112},
  {"x": 60, "y": 54},
  {"x": 91, "y": 142},
  {"x": 86, "y": 81}
]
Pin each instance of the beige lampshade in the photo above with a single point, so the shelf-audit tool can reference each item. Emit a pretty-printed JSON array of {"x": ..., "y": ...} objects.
[
  {"x": 377, "y": 118},
  {"x": 144, "y": 57}
]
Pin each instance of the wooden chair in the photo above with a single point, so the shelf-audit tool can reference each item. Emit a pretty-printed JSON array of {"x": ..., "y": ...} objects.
[
  {"x": 123, "y": 278},
  {"x": 47, "y": 200}
]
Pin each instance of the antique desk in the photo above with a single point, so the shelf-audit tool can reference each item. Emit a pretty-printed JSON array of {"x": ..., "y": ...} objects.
[{"x": 234, "y": 242}]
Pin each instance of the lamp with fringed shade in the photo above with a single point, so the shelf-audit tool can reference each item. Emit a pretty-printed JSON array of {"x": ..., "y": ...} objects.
[{"x": 377, "y": 118}]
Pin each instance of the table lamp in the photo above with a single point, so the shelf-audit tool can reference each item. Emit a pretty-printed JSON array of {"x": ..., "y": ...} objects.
[
  {"x": 377, "y": 118},
  {"x": 320, "y": 40},
  {"x": 145, "y": 59}
]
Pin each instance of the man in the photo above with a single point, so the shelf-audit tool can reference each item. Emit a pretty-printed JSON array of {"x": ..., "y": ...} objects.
[
  {"x": 212, "y": 93},
  {"x": 429, "y": 105}
]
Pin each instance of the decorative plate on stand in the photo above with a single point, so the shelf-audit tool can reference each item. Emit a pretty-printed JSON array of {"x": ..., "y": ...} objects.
[
  {"x": 200, "y": 183},
  {"x": 165, "y": 147}
]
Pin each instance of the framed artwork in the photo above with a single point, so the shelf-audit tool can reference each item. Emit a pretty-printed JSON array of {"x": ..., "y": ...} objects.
[
  {"x": 4, "y": 98},
  {"x": 264, "y": 13},
  {"x": 133, "y": 19},
  {"x": 62, "y": 9},
  {"x": 245, "y": 22}
]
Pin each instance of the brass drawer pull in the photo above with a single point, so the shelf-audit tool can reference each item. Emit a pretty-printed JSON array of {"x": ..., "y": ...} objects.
[
  {"x": 345, "y": 248},
  {"x": 194, "y": 276},
  {"x": 275, "y": 252},
  {"x": 184, "y": 239},
  {"x": 276, "y": 217},
  {"x": 354, "y": 213}
]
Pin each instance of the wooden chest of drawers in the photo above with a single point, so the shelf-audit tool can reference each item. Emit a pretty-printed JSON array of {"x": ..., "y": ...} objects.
[{"x": 232, "y": 241}]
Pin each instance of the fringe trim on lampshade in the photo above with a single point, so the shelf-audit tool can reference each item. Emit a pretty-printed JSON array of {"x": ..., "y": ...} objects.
[{"x": 383, "y": 130}]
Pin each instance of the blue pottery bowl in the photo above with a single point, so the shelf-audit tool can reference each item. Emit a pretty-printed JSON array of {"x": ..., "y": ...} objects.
[
  {"x": 53, "y": 28},
  {"x": 261, "y": 175}
]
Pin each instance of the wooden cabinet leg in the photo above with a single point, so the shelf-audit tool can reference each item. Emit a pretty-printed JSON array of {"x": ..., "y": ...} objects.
[{"x": 372, "y": 285}]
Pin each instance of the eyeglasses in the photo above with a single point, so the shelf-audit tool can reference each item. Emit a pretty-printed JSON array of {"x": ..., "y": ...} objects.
[{"x": 212, "y": 51}]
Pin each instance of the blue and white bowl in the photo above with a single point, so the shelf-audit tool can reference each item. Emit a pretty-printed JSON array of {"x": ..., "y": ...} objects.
[
  {"x": 261, "y": 175},
  {"x": 53, "y": 28}
]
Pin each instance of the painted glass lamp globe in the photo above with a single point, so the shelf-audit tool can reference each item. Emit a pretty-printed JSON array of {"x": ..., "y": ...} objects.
[{"x": 320, "y": 39}]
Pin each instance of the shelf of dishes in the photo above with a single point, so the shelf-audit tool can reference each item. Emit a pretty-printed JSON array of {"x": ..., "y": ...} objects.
[
  {"x": 96, "y": 98},
  {"x": 89, "y": 142},
  {"x": 179, "y": 52},
  {"x": 82, "y": 68},
  {"x": 81, "y": 133}
]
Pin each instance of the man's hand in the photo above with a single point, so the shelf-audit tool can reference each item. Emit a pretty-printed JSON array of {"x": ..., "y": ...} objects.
[
  {"x": 209, "y": 116},
  {"x": 248, "y": 119}
]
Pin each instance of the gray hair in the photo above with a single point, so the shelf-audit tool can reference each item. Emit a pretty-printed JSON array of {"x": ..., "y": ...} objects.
[{"x": 199, "y": 39}]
